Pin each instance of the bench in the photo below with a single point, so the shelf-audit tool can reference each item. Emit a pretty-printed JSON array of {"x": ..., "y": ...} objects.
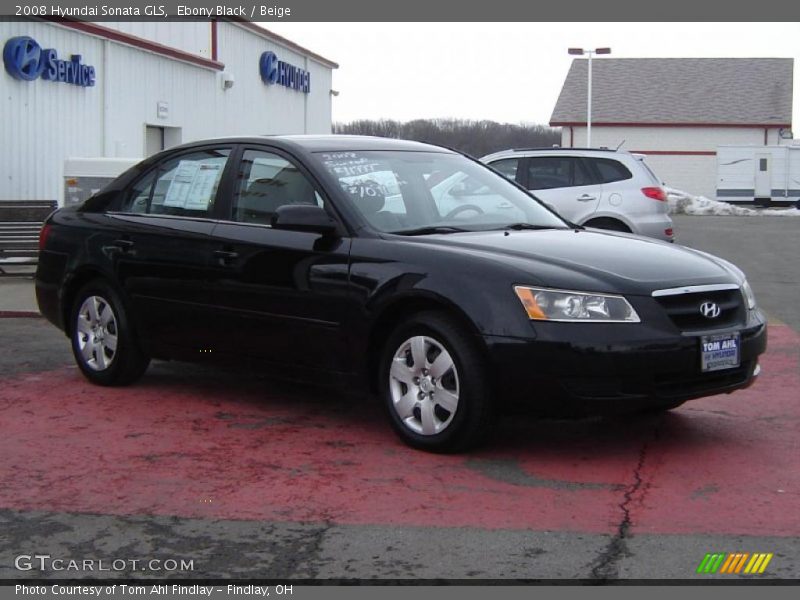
[{"x": 20, "y": 223}]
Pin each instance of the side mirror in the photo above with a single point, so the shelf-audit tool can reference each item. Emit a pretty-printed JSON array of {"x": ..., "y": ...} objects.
[{"x": 303, "y": 217}]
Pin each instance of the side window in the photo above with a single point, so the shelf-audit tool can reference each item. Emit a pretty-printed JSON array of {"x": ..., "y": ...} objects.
[
  {"x": 548, "y": 172},
  {"x": 580, "y": 174},
  {"x": 507, "y": 167},
  {"x": 184, "y": 185},
  {"x": 611, "y": 170},
  {"x": 139, "y": 198},
  {"x": 265, "y": 182}
]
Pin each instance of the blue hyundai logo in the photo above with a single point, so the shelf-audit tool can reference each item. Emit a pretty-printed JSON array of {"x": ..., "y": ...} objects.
[
  {"x": 268, "y": 65},
  {"x": 22, "y": 58}
]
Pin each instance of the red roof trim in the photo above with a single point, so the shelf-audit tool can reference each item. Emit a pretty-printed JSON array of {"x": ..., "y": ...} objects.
[
  {"x": 615, "y": 124},
  {"x": 266, "y": 33},
  {"x": 137, "y": 42}
]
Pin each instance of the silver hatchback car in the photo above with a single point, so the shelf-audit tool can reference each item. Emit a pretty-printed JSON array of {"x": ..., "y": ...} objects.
[{"x": 607, "y": 189}]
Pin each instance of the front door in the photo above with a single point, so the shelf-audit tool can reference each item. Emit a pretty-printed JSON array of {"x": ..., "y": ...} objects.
[{"x": 282, "y": 294}]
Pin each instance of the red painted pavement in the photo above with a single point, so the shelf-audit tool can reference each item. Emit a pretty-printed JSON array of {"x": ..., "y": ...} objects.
[{"x": 212, "y": 445}]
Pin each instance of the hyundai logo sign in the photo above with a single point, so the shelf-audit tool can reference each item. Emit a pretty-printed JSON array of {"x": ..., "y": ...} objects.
[
  {"x": 276, "y": 71},
  {"x": 26, "y": 60}
]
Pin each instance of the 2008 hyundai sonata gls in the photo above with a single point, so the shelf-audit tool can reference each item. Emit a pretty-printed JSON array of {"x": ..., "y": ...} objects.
[{"x": 399, "y": 266}]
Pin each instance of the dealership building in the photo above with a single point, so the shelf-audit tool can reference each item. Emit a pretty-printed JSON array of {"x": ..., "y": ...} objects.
[
  {"x": 73, "y": 90},
  {"x": 678, "y": 111}
]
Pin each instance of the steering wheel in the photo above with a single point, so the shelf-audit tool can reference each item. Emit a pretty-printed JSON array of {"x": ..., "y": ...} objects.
[{"x": 462, "y": 208}]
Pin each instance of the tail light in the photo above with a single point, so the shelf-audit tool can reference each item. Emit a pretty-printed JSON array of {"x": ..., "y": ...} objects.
[
  {"x": 44, "y": 233},
  {"x": 656, "y": 193},
  {"x": 669, "y": 232}
]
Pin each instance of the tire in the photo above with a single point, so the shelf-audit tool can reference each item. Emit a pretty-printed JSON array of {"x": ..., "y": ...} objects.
[
  {"x": 442, "y": 406},
  {"x": 608, "y": 223},
  {"x": 103, "y": 341}
]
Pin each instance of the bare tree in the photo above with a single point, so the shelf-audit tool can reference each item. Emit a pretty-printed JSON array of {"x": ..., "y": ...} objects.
[{"x": 476, "y": 138}]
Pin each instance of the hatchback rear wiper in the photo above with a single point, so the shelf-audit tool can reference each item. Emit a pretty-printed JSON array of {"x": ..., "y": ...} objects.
[{"x": 430, "y": 230}]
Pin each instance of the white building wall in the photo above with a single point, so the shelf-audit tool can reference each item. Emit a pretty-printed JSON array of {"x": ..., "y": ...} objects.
[
  {"x": 693, "y": 173},
  {"x": 251, "y": 106},
  {"x": 44, "y": 122},
  {"x": 190, "y": 36}
]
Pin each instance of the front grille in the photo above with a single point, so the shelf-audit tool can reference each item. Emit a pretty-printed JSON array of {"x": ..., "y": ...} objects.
[{"x": 684, "y": 309}]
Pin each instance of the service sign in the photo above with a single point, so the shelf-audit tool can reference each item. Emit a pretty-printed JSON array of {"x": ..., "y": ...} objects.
[{"x": 26, "y": 60}]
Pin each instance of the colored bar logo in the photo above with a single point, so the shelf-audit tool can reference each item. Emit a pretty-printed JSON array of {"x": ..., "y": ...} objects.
[{"x": 735, "y": 563}]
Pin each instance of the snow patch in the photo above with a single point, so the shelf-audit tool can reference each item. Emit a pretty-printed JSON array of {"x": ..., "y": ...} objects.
[{"x": 681, "y": 203}]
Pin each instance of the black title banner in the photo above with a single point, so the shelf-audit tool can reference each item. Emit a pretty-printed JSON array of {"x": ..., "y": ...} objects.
[{"x": 408, "y": 10}]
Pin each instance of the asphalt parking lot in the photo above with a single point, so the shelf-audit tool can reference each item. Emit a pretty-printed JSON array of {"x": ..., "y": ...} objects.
[{"x": 250, "y": 477}]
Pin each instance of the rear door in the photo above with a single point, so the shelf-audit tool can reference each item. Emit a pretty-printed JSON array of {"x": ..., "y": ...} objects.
[
  {"x": 563, "y": 182},
  {"x": 162, "y": 252},
  {"x": 282, "y": 294}
]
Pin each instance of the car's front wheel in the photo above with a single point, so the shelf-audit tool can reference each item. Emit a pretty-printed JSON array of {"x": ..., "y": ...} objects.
[
  {"x": 434, "y": 384},
  {"x": 103, "y": 341}
]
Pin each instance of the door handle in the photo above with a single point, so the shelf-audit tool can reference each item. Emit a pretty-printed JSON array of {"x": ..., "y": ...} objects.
[
  {"x": 121, "y": 245},
  {"x": 586, "y": 198},
  {"x": 225, "y": 257}
]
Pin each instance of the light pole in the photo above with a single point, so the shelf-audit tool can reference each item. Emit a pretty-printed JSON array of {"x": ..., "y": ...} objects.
[{"x": 581, "y": 52}]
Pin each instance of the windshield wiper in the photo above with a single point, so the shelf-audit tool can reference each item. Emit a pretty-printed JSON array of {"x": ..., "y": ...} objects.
[
  {"x": 430, "y": 230},
  {"x": 524, "y": 226}
]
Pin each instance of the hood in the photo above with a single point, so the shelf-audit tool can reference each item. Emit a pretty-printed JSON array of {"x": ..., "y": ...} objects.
[{"x": 593, "y": 260}]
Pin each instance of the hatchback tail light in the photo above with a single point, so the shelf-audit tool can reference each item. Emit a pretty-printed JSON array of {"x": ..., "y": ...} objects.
[
  {"x": 656, "y": 193},
  {"x": 44, "y": 233}
]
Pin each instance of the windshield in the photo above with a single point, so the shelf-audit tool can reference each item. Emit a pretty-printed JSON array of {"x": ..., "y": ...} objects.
[{"x": 404, "y": 192}]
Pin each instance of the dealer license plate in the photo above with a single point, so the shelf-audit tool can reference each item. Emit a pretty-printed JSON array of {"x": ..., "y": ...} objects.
[{"x": 719, "y": 352}]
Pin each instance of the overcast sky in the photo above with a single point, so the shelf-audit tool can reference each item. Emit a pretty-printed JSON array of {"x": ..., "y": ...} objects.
[{"x": 508, "y": 72}]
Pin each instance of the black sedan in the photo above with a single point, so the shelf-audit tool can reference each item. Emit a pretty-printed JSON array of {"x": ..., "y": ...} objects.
[{"x": 392, "y": 266}]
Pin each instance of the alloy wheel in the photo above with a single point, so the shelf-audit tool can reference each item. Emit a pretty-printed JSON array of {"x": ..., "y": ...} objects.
[
  {"x": 97, "y": 333},
  {"x": 424, "y": 386}
]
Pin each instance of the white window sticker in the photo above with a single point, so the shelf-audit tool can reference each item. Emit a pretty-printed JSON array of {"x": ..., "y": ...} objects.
[{"x": 192, "y": 185}]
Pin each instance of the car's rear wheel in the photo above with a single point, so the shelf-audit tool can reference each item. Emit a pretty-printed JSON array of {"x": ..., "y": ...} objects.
[
  {"x": 608, "y": 223},
  {"x": 434, "y": 385},
  {"x": 103, "y": 341}
]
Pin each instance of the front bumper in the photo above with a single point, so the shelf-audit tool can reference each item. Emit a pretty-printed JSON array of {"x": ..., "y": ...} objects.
[{"x": 600, "y": 368}]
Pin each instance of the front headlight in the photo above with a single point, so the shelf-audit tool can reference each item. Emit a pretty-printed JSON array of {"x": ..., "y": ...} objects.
[
  {"x": 747, "y": 294},
  {"x": 544, "y": 304}
]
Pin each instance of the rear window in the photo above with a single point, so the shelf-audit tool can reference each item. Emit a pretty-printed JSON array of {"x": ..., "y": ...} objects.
[
  {"x": 656, "y": 179},
  {"x": 611, "y": 170}
]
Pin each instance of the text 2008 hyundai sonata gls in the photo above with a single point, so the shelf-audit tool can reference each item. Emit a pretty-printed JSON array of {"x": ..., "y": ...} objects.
[{"x": 395, "y": 265}]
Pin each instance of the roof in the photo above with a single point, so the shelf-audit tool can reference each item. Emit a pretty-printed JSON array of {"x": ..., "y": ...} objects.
[
  {"x": 678, "y": 91},
  {"x": 279, "y": 39},
  {"x": 355, "y": 143},
  {"x": 329, "y": 143}
]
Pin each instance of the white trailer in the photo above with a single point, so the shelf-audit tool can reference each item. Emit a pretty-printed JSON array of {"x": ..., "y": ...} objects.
[{"x": 767, "y": 175}]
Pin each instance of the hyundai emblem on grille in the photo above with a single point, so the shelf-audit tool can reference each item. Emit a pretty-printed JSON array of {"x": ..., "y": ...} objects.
[{"x": 710, "y": 310}]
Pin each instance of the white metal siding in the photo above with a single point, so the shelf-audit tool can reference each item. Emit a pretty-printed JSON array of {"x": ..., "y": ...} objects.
[
  {"x": 43, "y": 122},
  {"x": 190, "y": 36}
]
